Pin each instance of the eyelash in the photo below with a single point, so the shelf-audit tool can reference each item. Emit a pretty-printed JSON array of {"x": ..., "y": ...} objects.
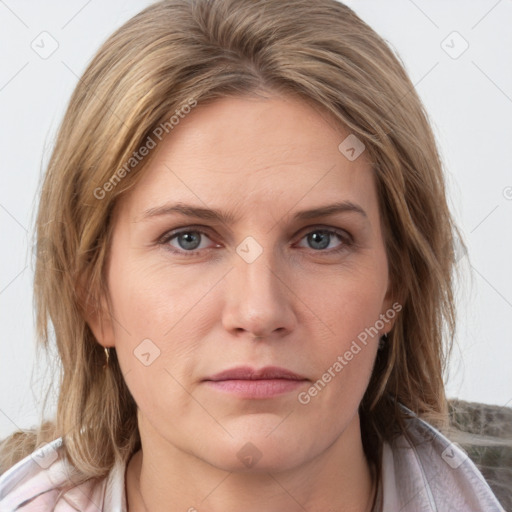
[{"x": 344, "y": 237}]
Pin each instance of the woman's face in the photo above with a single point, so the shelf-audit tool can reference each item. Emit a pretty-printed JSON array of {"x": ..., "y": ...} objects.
[{"x": 190, "y": 291}]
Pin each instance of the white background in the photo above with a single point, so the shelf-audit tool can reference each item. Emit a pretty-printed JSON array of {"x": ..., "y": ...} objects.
[{"x": 469, "y": 99}]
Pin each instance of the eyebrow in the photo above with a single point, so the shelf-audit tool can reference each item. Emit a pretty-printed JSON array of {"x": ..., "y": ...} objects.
[{"x": 228, "y": 217}]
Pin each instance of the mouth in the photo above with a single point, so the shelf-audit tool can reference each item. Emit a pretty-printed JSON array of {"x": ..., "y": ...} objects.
[{"x": 246, "y": 382}]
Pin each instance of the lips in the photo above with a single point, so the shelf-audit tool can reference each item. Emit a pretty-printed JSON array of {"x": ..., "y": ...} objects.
[
  {"x": 248, "y": 373},
  {"x": 246, "y": 383}
]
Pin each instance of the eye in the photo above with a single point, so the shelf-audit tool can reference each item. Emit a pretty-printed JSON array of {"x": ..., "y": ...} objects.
[
  {"x": 321, "y": 238},
  {"x": 191, "y": 241},
  {"x": 188, "y": 241}
]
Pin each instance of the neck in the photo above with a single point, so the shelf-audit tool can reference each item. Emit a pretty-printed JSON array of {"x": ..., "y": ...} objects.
[{"x": 338, "y": 479}]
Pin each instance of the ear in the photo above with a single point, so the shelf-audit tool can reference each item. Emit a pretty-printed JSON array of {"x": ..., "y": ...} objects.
[
  {"x": 96, "y": 312},
  {"x": 390, "y": 310}
]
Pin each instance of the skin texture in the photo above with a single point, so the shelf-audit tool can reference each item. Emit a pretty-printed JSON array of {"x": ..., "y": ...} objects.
[{"x": 262, "y": 159}]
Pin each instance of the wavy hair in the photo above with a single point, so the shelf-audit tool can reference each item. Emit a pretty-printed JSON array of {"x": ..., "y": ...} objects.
[{"x": 177, "y": 51}]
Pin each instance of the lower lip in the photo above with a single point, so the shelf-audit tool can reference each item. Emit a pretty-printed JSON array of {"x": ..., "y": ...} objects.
[{"x": 263, "y": 388}]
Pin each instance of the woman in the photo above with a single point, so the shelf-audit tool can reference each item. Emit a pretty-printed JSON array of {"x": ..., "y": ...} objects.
[{"x": 247, "y": 265}]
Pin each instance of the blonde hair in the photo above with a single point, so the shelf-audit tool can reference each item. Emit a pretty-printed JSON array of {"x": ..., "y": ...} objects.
[{"x": 176, "y": 52}]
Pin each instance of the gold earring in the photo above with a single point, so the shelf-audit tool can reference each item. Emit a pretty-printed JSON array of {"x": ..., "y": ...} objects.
[{"x": 107, "y": 357}]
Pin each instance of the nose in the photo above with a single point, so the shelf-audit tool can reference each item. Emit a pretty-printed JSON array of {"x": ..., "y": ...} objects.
[{"x": 259, "y": 301}]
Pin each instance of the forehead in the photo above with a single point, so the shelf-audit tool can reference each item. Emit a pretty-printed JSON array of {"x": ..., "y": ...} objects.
[{"x": 247, "y": 152}]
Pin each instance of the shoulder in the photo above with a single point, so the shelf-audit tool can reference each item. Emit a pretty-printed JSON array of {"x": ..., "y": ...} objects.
[
  {"x": 423, "y": 470},
  {"x": 45, "y": 478}
]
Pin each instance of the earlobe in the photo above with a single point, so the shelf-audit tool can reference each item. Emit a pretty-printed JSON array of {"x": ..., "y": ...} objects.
[
  {"x": 97, "y": 315},
  {"x": 391, "y": 308},
  {"x": 101, "y": 326},
  {"x": 390, "y": 314}
]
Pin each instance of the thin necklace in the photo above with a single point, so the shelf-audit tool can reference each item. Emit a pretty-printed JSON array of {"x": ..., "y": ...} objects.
[
  {"x": 372, "y": 498},
  {"x": 140, "y": 494},
  {"x": 137, "y": 489}
]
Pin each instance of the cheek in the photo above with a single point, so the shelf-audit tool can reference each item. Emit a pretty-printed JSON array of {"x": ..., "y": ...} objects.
[
  {"x": 153, "y": 310},
  {"x": 347, "y": 309},
  {"x": 343, "y": 360},
  {"x": 151, "y": 300},
  {"x": 348, "y": 302}
]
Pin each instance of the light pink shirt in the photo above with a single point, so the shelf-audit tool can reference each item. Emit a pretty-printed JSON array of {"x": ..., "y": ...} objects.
[{"x": 421, "y": 472}]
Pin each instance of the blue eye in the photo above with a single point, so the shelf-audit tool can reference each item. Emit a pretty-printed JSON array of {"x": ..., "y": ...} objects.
[
  {"x": 189, "y": 241},
  {"x": 320, "y": 239}
]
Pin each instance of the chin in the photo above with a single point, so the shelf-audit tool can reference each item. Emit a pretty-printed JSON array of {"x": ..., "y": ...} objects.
[{"x": 258, "y": 453}]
